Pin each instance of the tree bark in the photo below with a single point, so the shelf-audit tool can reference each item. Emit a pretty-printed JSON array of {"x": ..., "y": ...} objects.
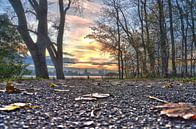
[
  {"x": 119, "y": 46},
  {"x": 57, "y": 53},
  {"x": 172, "y": 38},
  {"x": 149, "y": 44},
  {"x": 38, "y": 49},
  {"x": 144, "y": 61},
  {"x": 184, "y": 41},
  {"x": 163, "y": 37}
]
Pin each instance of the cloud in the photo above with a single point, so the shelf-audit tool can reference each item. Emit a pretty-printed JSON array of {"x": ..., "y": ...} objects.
[
  {"x": 87, "y": 48},
  {"x": 77, "y": 21},
  {"x": 68, "y": 54}
]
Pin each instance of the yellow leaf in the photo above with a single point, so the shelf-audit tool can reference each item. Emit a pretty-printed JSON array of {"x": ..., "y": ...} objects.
[
  {"x": 13, "y": 106},
  {"x": 9, "y": 108},
  {"x": 53, "y": 85}
]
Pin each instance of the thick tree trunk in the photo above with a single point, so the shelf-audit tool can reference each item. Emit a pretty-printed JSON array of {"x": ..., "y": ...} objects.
[
  {"x": 39, "y": 60},
  {"x": 38, "y": 49},
  {"x": 59, "y": 69}
]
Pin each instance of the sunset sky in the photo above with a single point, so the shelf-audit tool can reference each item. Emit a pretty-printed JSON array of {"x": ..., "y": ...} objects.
[
  {"x": 83, "y": 49},
  {"x": 86, "y": 52}
]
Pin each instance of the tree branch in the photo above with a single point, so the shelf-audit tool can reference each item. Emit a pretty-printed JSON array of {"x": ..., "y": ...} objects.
[
  {"x": 31, "y": 12},
  {"x": 34, "y": 5}
]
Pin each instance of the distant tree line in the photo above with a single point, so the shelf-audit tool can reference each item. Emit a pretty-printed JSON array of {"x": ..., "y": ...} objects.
[{"x": 149, "y": 38}]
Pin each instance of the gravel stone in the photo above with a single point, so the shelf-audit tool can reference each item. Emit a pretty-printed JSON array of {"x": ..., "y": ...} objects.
[{"x": 126, "y": 108}]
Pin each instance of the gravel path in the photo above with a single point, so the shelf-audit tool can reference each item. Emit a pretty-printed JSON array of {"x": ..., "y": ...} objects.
[{"x": 126, "y": 108}]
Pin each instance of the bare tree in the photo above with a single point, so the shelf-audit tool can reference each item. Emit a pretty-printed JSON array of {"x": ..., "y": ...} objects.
[
  {"x": 38, "y": 48},
  {"x": 56, "y": 52}
]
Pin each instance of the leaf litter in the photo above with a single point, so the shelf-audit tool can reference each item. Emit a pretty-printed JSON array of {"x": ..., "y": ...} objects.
[
  {"x": 92, "y": 96},
  {"x": 14, "y": 106},
  {"x": 174, "y": 110},
  {"x": 11, "y": 89}
]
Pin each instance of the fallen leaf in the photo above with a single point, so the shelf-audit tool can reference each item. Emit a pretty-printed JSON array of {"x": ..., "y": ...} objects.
[
  {"x": 97, "y": 95},
  {"x": 85, "y": 98},
  {"x": 53, "y": 85},
  {"x": 10, "y": 88},
  {"x": 168, "y": 85},
  {"x": 14, "y": 106},
  {"x": 27, "y": 93},
  {"x": 183, "y": 110},
  {"x": 59, "y": 90},
  {"x": 2, "y": 90}
]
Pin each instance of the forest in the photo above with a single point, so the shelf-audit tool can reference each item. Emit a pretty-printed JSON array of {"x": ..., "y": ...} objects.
[
  {"x": 144, "y": 52},
  {"x": 153, "y": 38}
]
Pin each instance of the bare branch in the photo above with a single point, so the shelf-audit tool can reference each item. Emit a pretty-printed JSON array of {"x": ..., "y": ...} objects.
[{"x": 34, "y": 5}]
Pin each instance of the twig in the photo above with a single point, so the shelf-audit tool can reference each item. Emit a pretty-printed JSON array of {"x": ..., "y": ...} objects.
[{"x": 155, "y": 98}]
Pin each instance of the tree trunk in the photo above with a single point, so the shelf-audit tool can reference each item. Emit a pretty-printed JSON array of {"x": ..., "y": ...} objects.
[
  {"x": 118, "y": 41},
  {"x": 59, "y": 69},
  {"x": 193, "y": 34},
  {"x": 149, "y": 44},
  {"x": 38, "y": 49},
  {"x": 184, "y": 41},
  {"x": 172, "y": 38},
  {"x": 137, "y": 63},
  {"x": 192, "y": 3},
  {"x": 122, "y": 65},
  {"x": 119, "y": 65},
  {"x": 39, "y": 60},
  {"x": 164, "y": 48},
  {"x": 144, "y": 61}
]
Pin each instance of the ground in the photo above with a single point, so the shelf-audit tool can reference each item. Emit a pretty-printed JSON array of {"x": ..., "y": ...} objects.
[{"x": 128, "y": 106}]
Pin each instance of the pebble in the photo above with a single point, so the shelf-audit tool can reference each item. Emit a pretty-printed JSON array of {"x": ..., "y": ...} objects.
[{"x": 128, "y": 106}]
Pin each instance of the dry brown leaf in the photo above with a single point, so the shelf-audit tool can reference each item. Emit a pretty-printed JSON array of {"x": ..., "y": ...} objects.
[
  {"x": 11, "y": 89},
  {"x": 183, "y": 110}
]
